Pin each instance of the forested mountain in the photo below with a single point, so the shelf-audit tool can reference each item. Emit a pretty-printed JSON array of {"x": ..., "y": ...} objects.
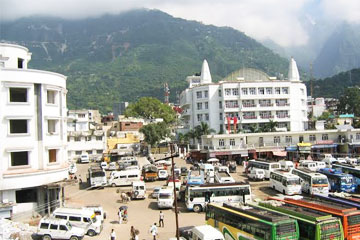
[{"x": 123, "y": 57}]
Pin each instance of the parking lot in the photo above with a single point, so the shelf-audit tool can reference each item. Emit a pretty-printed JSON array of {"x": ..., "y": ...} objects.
[{"x": 142, "y": 213}]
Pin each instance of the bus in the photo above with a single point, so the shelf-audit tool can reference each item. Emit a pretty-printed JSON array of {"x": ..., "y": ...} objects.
[
  {"x": 349, "y": 216},
  {"x": 266, "y": 166},
  {"x": 351, "y": 201},
  {"x": 312, "y": 182},
  {"x": 237, "y": 221},
  {"x": 285, "y": 182},
  {"x": 97, "y": 177},
  {"x": 349, "y": 169},
  {"x": 197, "y": 197},
  {"x": 313, "y": 224},
  {"x": 339, "y": 181}
]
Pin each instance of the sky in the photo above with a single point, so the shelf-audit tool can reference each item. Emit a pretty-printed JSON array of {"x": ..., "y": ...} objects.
[{"x": 281, "y": 21}]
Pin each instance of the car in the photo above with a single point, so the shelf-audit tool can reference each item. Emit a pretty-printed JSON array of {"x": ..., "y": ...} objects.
[
  {"x": 155, "y": 192},
  {"x": 104, "y": 165},
  {"x": 84, "y": 158},
  {"x": 112, "y": 166},
  {"x": 50, "y": 228}
]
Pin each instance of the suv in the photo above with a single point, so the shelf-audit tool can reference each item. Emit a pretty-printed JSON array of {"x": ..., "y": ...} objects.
[
  {"x": 58, "y": 229},
  {"x": 84, "y": 158}
]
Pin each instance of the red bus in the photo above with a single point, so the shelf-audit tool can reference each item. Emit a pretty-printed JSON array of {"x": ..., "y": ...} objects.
[{"x": 350, "y": 216}]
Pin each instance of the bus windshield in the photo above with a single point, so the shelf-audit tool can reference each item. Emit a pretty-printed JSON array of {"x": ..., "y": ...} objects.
[
  {"x": 165, "y": 196},
  {"x": 293, "y": 182},
  {"x": 346, "y": 180},
  {"x": 320, "y": 180},
  {"x": 275, "y": 166},
  {"x": 98, "y": 174}
]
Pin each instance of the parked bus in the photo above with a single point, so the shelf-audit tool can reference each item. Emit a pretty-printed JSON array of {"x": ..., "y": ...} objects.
[
  {"x": 350, "y": 217},
  {"x": 352, "y": 201},
  {"x": 196, "y": 197},
  {"x": 338, "y": 181},
  {"x": 97, "y": 177},
  {"x": 266, "y": 166},
  {"x": 149, "y": 172},
  {"x": 313, "y": 224},
  {"x": 312, "y": 182},
  {"x": 236, "y": 221},
  {"x": 285, "y": 182},
  {"x": 349, "y": 169}
]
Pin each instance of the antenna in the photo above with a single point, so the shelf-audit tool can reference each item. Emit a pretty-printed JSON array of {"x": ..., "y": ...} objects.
[{"x": 166, "y": 93}]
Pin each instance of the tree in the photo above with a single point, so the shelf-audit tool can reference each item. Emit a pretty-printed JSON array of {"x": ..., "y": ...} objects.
[
  {"x": 324, "y": 116},
  {"x": 191, "y": 134},
  {"x": 182, "y": 138},
  {"x": 350, "y": 101},
  {"x": 155, "y": 132},
  {"x": 203, "y": 129},
  {"x": 151, "y": 108}
]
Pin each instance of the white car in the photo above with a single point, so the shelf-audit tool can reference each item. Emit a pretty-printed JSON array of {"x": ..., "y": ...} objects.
[
  {"x": 58, "y": 229},
  {"x": 104, "y": 165},
  {"x": 162, "y": 174},
  {"x": 84, "y": 158},
  {"x": 112, "y": 166},
  {"x": 72, "y": 168}
]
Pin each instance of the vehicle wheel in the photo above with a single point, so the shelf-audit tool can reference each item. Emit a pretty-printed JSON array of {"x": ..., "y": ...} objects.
[
  {"x": 74, "y": 238},
  {"x": 113, "y": 185},
  {"x": 197, "y": 208},
  {"x": 46, "y": 237},
  {"x": 91, "y": 233}
]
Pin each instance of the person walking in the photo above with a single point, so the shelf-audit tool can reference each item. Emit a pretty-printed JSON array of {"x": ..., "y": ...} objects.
[
  {"x": 112, "y": 235},
  {"x": 161, "y": 219},
  {"x": 132, "y": 233},
  {"x": 153, "y": 230},
  {"x": 120, "y": 214}
]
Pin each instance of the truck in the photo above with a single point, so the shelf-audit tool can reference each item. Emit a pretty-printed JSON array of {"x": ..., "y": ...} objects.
[
  {"x": 222, "y": 175},
  {"x": 97, "y": 177},
  {"x": 150, "y": 172}
]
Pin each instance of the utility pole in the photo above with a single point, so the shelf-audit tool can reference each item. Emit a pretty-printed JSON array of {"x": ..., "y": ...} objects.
[
  {"x": 311, "y": 90},
  {"x": 175, "y": 197}
]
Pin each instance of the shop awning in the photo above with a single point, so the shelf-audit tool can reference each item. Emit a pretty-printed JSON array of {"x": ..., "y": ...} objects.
[
  {"x": 279, "y": 153},
  {"x": 324, "y": 146},
  {"x": 291, "y": 149}
]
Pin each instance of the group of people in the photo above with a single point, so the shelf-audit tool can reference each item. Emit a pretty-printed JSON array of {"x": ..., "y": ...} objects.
[
  {"x": 134, "y": 233},
  {"x": 153, "y": 228}
]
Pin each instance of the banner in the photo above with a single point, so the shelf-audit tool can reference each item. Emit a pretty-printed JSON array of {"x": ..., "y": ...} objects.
[
  {"x": 228, "y": 123},
  {"x": 235, "y": 122}
]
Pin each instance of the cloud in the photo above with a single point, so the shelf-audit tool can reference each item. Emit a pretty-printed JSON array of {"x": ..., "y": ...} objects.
[{"x": 278, "y": 20}]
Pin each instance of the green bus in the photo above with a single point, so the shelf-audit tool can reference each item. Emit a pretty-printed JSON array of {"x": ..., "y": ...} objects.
[
  {"x": 240, "y": 222},
  {"x": 313, "y": 225}
]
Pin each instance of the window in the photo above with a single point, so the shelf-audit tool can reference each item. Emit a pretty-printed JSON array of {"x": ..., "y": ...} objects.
[
  {"x": 277, "y": 90},
  {"x": 87, "y": 138},
  {"x": 199, "y": 117},
  {"x": 252, "y": 91},
  {"x": 244, "y": 91},
  {"x": 77, "y": 139},
  {"x": 53, "y": 226},
  {"x": 206, "y": 93},
  {"x": 227, "y": 91},
  {"x": 235, "y": 91},
  {"x": 206, "y": 105},
  {"x": 285, "y": 90},
  {"x": 232, "y": 142},
  {"x": 20, "y": 63},
  {"x": 231, "y": 104},
  {"x": 277, "y": 139},
  {"x": 199, "y": 106},
  {"x": 63, "y": 228},
  {"x": 81, "y": 115},
  {"x": 99, "y": 138},
  {"x": 77, "y": 152},
  {"x": 199, "y": 94},
  {"x": 52, "y": 126},
  {"x": 288, "y": 139},
  {"x": 357, "y": 136},
  {"x": 206, "y": 117},
  {"x": 219, "y": 93},
  {"x": 302, "y": 91},
  {"x": 89, "y": 151},
  {"x": 220, "y": 104},
  {"x": 261, "y": 91},
  {"x": 220, "y": 116},
  {"x": 99, "y": 151},
  {"x": 325, "y": 137},
  {"x": 221, "y": 142},
  {"x": 18, "y": 94},
  {"x": 312, "y": 138},
  {"x": 269, "y": 90},
  {"x": 19, "y": 158},
  {"x": 77, "y": 219},
  {"x": 51, "y": 97},
  {"x": 18, "y": 126},
  {"x": 52, "y": 155},
  {"x": 44, "y": 225}
]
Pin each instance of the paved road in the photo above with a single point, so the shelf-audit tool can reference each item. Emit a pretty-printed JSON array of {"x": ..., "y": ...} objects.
[{"x": 143, "y": 213}]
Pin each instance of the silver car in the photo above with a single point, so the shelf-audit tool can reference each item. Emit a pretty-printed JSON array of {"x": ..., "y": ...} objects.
[{"x": 155, "y": 192}]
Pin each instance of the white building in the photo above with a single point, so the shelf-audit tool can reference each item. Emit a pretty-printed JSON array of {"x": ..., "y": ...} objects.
[
  {"x": 85, "y": 136},
  {"x": 32, "y": 133},
  {"x": 317, "y": 106},
  {"x": 246, "y": 98}
]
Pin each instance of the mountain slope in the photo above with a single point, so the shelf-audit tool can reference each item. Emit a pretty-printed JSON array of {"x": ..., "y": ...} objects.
[{"x": 123, "y": 57}]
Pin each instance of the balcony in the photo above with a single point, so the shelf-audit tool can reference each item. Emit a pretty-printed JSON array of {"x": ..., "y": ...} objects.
[
  {"x": 282, "y": 104},
  {"x": 231, "y": 106},
  {"x": 248, "y": 105},
  {"x": 249, "y": 117},
  {"x": 282, "y": 116},
  {"x": 266, "y": 116},
  {"x": 266, "y": 104}
]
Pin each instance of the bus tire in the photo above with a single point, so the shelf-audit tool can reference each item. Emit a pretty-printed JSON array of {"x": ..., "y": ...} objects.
[{"x": 197, "y": 208}]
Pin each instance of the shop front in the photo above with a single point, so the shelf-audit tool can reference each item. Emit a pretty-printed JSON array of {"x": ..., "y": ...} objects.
[
  {"x": 292, "y": 153},
  {"x": 323, "y": 147},
  {"x": 238, "y": 155},
  {"x": 304, "y": 150}
]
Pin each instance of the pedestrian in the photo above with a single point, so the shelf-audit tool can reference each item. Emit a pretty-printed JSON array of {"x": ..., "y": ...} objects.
[
  {"x": 125, "y": 215},
  {"x": 132, "y": 233},
  {"x": 153, "y": 230},
  {"x": 161, "y": 219},
  {"x": 112, "y": 235},
  {"x": 120, "y": 214}
]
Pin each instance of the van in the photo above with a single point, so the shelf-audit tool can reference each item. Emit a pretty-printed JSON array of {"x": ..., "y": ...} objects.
[
  {"x": 162, "y": 174},
  {"x": 286, "y": 165},
  {"x": 209, "y": 172},
  {"x": 80, "y": 217},
  {"x": 320, "y": 165},
  {"x": 165, "y": 198},
  {"x": 104, "y": 165},
  {"x": 256, "y": 174},
  {"x": 98, "y": 210},
  {"x": 328, "y": 160},
  {"x": 311, "y": 165},
  {"x": 126, "y": 163},
  {"x": 206, "y": 232},
  {"x": 124, "y": 178},
  {"x": 138, "y": 190},
  {"x": 84, "y": 158},
  {"x": 50, "y": 228}
]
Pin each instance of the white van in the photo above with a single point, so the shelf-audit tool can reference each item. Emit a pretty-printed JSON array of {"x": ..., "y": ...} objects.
[
  {"x": 138, "y": 190},
  {"x": 124, "y": 178},
  {"x": 286, "y": 165},
  {"x": 311, "y": 165},
  {"x": 328, "y": 160},
  {"x": 320, "y": 165},
  {"x": 209, "y": 172},
  {"x": 84, "y": 158},
  {"x": 162, "y": 174},
  {"x": 165, "y": 198},
  {"x": 206, "y": 232},
  {"x": 256, "y": 174},
  {"x": 80, "y": 217}
]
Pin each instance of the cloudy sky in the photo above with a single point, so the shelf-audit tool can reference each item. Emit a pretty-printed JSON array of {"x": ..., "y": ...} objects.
[{"x": 278, "y": 20}]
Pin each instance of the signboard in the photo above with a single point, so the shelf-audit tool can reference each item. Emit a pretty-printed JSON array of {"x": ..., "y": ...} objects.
[{"x": 324, "y": 142}]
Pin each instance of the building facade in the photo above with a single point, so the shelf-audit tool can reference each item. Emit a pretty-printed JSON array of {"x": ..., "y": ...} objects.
[
  {"x": 33, "y": 133},
  {"x": 246, "y": 99}
]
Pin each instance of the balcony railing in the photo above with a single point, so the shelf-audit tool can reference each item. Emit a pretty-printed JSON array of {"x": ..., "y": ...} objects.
[
  {"x": 282, "y": 116},
  {"x": 282, "y": 104},
  {"x": 266, "y": 104},
  {"x": 266, "y": 116},
  {"x": 248, "y": 105},
  {"x": 231, "y": 106},
  {"x": 250, "y": 117}
]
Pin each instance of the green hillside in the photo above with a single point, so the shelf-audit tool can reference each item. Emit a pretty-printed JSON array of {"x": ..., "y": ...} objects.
[{"x": 123, "y": 57}]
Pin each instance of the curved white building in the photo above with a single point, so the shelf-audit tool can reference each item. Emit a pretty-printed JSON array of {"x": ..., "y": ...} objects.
[
  {"x": 32, "y": 132},
  {"x": 245, "y": 99}
]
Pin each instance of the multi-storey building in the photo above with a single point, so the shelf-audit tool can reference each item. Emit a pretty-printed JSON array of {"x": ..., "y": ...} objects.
[
  {"x": 245, "y": 99},
  {"x": 32, "y": 133},
  {"x": 85, "y": 134}
]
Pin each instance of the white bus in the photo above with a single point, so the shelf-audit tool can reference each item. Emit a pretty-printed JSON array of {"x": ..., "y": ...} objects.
[
  {"x": 285, "y": 182},
  {"x": 165, "y": 198},
  {"x": 124, "y": 178},
  {"x": 312, "y": 182},
  {"x": 196, "y": 197},
  {"x": 266, "y": 166},
  {"x": 97, "y": 177}
]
